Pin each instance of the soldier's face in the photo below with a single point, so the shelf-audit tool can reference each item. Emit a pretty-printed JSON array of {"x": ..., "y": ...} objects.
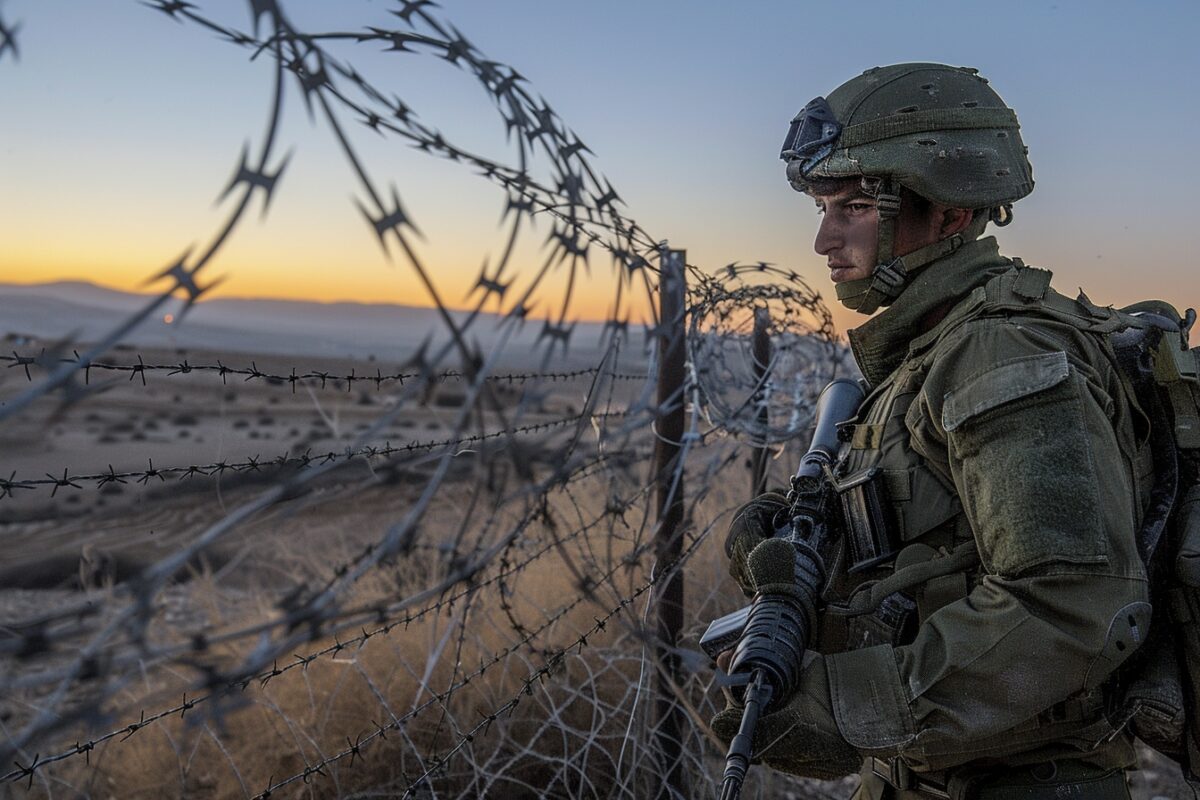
[{"x": 849, "y": 232}]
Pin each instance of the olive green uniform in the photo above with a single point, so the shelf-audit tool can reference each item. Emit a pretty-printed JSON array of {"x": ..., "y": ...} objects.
[{"x": 1016, "y": 472}]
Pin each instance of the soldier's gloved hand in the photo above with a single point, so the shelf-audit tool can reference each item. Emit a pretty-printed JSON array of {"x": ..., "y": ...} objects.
[
  {"x": 751, "y": 524},
  {"x": 802, "y": 737},
  {"x": 800, "y": 734},
  {"x": 787, "y": 578}
]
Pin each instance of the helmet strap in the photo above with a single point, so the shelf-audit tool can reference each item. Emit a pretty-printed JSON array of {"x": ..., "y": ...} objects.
[
  {"x": 892, "y": 275},
  {"x": 887, "y": 207}
]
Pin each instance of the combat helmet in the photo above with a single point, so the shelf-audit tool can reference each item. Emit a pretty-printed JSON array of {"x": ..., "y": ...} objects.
[{"x": 938, "y": 130}]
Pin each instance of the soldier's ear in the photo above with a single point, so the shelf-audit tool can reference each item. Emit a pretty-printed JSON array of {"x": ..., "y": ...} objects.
[{"x": 954, "y": 220}]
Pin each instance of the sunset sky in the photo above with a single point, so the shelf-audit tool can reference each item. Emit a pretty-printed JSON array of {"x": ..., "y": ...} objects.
[{"x": 120, "y": 127}]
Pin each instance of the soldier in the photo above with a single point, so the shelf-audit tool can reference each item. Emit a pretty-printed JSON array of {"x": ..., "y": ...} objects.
[{"x": 987, "y": 584}]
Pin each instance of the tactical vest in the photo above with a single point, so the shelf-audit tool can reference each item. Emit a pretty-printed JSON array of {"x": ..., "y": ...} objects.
[{"x": 908, "y": 549}]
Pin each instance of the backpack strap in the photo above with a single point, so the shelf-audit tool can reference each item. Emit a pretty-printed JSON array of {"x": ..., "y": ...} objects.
[{"x": 1134, "y": 348}]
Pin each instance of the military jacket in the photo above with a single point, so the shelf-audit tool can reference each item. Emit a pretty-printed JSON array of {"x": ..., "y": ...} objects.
[{"x": 1013, "y": 469}]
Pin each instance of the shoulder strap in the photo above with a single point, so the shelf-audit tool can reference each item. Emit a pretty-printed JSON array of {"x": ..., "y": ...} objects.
[
  {"x": 1024, "y": 290},
  {"x": 1027, "y": 290}
]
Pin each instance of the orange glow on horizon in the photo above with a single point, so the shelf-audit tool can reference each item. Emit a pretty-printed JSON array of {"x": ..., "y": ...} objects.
[
  {"x": 328, "y": 286},
  {"x": 306, "y": 276}
]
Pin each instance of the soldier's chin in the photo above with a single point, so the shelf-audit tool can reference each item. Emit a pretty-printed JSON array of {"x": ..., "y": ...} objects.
[{"x": 842, "y": 274}]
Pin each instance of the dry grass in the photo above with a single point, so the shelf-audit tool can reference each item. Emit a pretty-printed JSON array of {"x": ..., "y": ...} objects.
[{"x": 583, "y": 728}]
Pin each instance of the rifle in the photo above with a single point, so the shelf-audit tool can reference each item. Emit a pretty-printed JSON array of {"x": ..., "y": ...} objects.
[{"x": 772, "y": 633}]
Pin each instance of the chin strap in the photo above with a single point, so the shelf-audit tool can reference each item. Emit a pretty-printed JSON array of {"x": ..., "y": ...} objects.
[{"x": 892, "y": 275}]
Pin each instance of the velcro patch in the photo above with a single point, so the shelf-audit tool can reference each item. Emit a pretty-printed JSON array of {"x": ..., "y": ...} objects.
[{"x": 1008, "y": 381}]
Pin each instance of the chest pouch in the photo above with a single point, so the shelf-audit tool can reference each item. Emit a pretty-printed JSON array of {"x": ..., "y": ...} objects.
[{"x": 871, "y": 534}]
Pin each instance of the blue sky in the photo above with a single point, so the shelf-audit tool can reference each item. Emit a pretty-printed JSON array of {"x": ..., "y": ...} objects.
[{"x": 119, "y": 127}]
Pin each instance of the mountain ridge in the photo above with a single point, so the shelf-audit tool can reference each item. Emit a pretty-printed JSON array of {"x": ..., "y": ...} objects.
[{"x": 87, "y": 312}]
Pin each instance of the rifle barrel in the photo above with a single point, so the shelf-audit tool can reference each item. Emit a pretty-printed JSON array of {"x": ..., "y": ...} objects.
[{"x": 737, "y": 764}]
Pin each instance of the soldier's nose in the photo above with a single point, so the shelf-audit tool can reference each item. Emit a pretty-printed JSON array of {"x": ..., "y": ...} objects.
[{"x": 827, "y": 238}]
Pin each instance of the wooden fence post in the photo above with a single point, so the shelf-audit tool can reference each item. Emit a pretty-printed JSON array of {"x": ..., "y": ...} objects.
[{"x": 669, "y": 424}]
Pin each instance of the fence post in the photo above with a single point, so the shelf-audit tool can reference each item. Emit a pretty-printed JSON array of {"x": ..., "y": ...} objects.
[
  {"x": 669, "y": 424},
  {"x": 760, "y": 348}
]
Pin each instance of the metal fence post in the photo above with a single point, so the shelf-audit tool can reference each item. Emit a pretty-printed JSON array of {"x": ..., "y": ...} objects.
[
  {"x": 669, "y": 424},
  {"x": 760, "y": 348}
]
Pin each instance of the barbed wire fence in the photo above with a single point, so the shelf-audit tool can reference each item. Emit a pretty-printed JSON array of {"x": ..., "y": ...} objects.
[{"x": 501, "y": 609}]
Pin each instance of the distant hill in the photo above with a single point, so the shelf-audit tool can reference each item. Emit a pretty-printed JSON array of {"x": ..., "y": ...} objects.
[{"x": 85, "y": 312}]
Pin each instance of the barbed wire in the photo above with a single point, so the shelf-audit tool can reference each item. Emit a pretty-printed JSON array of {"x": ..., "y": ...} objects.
[
  {"x": 555, "y": 658},
  {"x": 307, "y": 612},
  {"x": 553, "y": 661},
  {"x": 397, "y": 536},
  {"x": 8, "y": 38},
  {"x": 264, "y": 677},
  {"x": 29, "y": 636},
  {"x": 310, "y": 377},
  {"x": 257, "y": 464},
  {"x": 768, "y": 402}
]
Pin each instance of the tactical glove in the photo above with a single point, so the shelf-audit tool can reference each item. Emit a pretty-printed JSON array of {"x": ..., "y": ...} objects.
[
  {"x": 751, "y": 524},
  {"x": 802, "y": 737}
]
